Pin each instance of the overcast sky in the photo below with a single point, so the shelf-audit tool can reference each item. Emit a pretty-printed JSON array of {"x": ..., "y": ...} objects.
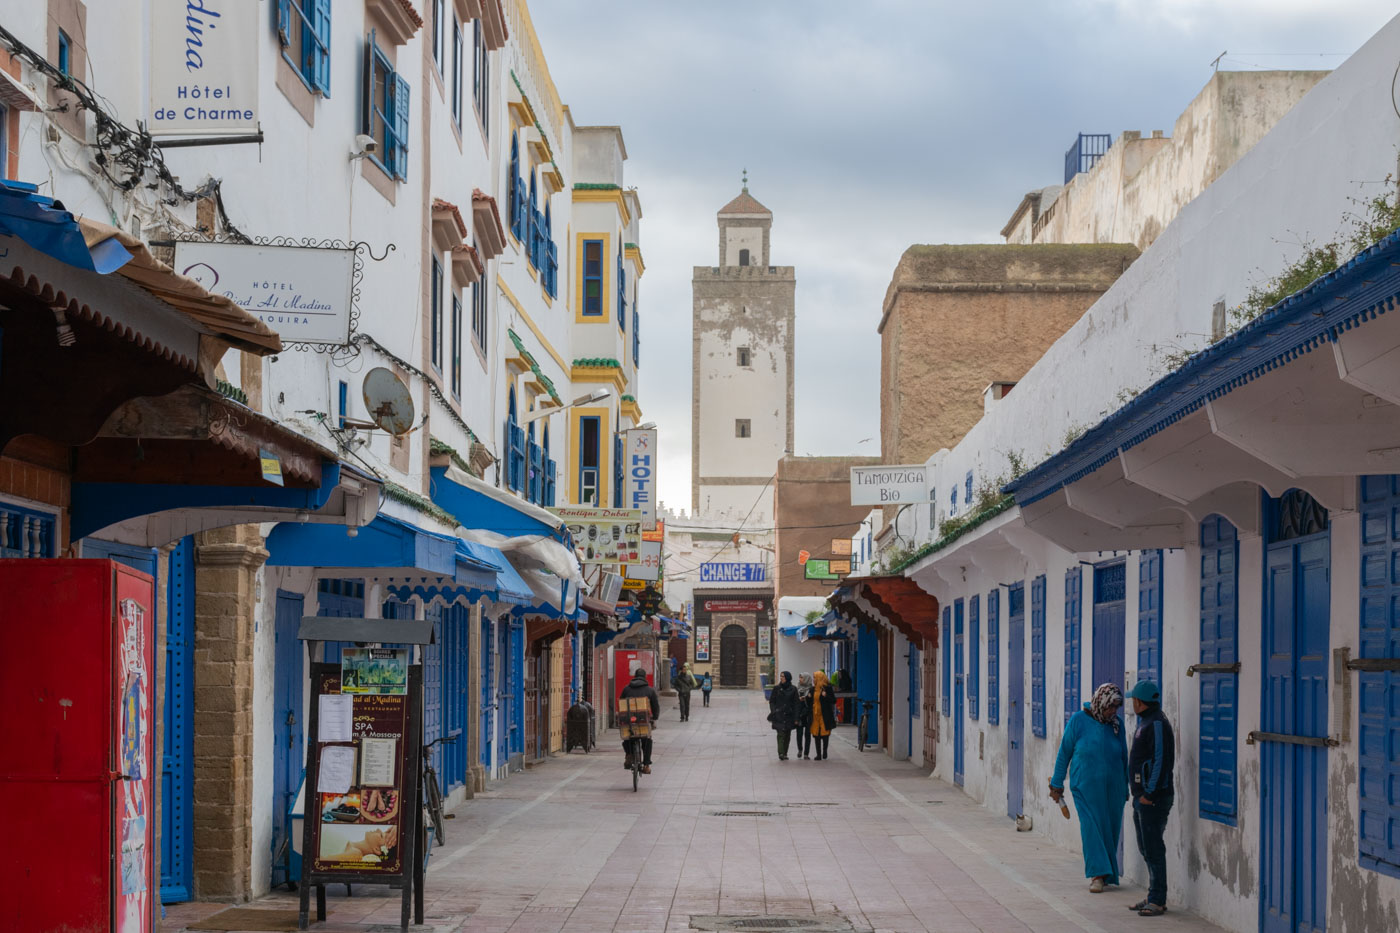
[{"x": 870, "y": 126}]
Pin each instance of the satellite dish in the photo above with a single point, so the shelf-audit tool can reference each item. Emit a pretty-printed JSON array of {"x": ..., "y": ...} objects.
[{"x": 388, "y": 402}]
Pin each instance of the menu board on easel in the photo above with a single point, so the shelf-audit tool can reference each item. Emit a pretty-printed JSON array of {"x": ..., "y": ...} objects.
[{"x": 361, "y": 780}]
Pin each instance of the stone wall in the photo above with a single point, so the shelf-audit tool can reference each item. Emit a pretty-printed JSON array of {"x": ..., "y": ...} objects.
[
  {"x": 812, "y": 503},
  {"x": 959, "y": 317}
]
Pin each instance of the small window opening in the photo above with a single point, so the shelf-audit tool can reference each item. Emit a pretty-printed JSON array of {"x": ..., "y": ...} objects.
[
  {"x": 741, "y": 427},
  {"x": 744, "y": 358},
  {"x": 65, "y": 56},
  {"x": 743, "y": 257}
]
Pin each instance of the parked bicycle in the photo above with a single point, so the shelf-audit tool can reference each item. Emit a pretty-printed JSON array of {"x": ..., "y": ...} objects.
[
  {"x": 862, "y": 731},
  {"x": 432, "y": 799}
]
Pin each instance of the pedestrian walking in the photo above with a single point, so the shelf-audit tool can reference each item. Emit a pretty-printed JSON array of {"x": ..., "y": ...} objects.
[
  {"x": 782, "y": 712},
  {"x": 684, "y": 682},
  {"x": 1150, "y": 764},
  {"x": 804, "y": 715},
  {"x": 706, "y": 685},
  {"x": 1095, "y": 752},
  {"x": 823, "y": 713}
]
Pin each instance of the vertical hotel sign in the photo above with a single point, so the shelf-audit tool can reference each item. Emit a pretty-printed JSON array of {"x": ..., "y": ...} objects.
[
  {"x": 640, "y": 465},
  {"x": 204, "y": 67}
]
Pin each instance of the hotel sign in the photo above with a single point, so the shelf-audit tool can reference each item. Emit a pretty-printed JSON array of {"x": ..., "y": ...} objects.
[
  {"x": 639, "y": 473},
  {"x": 886, "y": 485},
  {"x": 301, "y": 292},
  {"x": 204, "y": 67}
]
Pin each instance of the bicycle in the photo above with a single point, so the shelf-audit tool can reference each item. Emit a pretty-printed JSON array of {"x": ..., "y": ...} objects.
[
  {"x": 432, "y": 799},
  {"x": 862, "y": 729},
  {"x": 634, "y": 721}
]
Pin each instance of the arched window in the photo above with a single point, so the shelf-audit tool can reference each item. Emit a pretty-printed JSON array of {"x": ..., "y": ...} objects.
[{"x": 743, "y": 257}]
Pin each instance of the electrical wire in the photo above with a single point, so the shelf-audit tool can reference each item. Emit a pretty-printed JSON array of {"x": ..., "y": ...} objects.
[{"x": 123, "y": 155}]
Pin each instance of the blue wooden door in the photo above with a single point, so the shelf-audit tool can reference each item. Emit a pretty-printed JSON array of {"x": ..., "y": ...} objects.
[
  {"x": 343, "y": 599},
  {"x": 432, "y": 689},
  {"x": 488, "y": 693},
  {"x": 288, "y": 751},
  {"x": 177, "y": 753},
  {"x": 958, "y": 724},
  {"x": 1015, "y": 698},
  {"x": 454, "y": 696},
  {"x": 1293, "y": 777},
  {"x": 1110, "y": 626},
  {"x": 915, "y": 658}
]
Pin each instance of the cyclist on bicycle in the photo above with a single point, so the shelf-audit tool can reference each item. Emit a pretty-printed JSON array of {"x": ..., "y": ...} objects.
[{"x": 638, "y": 687}]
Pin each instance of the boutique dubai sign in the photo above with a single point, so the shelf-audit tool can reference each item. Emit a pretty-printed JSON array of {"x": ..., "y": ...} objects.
[
  {"x": 886, "y": 485},
  {"x": 301, "y": 292},
  {"x": 204, "y": 67}
]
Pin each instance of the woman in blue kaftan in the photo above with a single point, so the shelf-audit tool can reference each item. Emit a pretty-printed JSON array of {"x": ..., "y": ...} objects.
[{"x": 1095, "y": 752}]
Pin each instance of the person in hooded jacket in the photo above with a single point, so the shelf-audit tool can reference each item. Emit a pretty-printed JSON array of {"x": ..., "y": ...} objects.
[
  {"x": 1150, "y": 764},
  {"x": 823, "y": 713},
  {"x": 783, "y": 712},
  {"x": 684, "y": 681},
  {"x": 638, "y": 687}
]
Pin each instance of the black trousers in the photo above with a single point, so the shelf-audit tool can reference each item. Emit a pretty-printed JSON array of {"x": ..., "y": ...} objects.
[
  {"x": 1151, "y": 825},
  {"x": 646, "y": 748},
  {"x": 823, "y": 745},
  {"x": 804, "y": 740},
  {"x": 684, "y": 696},
  {"x": 707, "y": 697}
]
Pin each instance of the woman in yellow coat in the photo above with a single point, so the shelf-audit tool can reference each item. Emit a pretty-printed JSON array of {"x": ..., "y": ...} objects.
[{"x": 823, "y": 713}]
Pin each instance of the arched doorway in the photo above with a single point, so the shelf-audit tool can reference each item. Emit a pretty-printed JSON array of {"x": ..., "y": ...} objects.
[{"x": 733, "y": 657}]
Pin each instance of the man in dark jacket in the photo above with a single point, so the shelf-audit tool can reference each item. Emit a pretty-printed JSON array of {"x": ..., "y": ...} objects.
[
  {"x": 683, "y": 681},
  {"x": 638, "y": 687},
  {"x": 1150, "y": 764},
  {"x": 783, "y": 712}
]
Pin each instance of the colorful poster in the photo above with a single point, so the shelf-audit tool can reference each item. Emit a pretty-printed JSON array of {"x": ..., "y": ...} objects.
[
  {"x": 134, "y": 862},
  {"x": 765, "y": 641},
  {"x": 702, "y": 643},
  {"x": 361, "y": 784},
  {"x": 604, "y": 536},
  {"x": 381, "y": 671}
]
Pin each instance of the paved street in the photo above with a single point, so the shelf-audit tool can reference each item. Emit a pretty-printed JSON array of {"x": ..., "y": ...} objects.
[{"x": 859, "y": 842}]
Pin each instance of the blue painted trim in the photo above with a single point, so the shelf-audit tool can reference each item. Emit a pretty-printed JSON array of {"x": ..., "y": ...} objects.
[
  {"x": 99, "y": 505},
  {"x": 384, "y": 542},
  {"x": 177, "y": 878},
  {"x": 1361, "y": 290}
]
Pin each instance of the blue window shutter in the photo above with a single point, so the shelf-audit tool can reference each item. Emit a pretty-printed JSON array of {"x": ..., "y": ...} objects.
[
  {"x": 968, "y": 497},
  {"x": 947, "y": 660},
  {"x": 1149, "y": 664},
  {"x": 994, "y": 657},
  {"x": 974, "y": 646},
  {"x": 1074, "y": 584},
  {"x": 1038, "y": 656},
  {"x": 367, "y": 89},
  {"x": 1219, "y": 691},
  {"x": 401, "y": 110},
  {"x": 321, "y": 20},
  {"x": 284, "y": 22},
  {"x": 1378, "y": 726}
]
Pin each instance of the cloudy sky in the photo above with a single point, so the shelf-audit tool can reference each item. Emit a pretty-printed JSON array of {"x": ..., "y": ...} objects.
[{"x": 870, "y": 126}]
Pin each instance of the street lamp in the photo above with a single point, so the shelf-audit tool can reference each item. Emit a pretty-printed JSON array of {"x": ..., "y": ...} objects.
[{"x": 539, "y": 413}]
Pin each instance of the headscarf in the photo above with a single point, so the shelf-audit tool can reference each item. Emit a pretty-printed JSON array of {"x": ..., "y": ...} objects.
[
  {"x": 804, "y": 685},
  {"x": 786, "y": 677},
  {"x": 1102, "y": 706},
  {"x": 818, "y": 681}
]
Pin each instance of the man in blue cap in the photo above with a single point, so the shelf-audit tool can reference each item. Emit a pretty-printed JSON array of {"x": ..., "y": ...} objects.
[{"x": 1150, "y": 764}]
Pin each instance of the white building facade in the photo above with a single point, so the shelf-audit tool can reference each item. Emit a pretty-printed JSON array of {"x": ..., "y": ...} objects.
[{"x": 1229, "y": 531}]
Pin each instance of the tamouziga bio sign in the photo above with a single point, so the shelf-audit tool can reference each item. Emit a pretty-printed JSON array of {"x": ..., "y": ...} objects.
[{"x": 883, "y": 484}]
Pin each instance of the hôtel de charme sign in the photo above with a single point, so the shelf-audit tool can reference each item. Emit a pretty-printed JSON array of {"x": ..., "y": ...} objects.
[{"x": 204, "y": 67}]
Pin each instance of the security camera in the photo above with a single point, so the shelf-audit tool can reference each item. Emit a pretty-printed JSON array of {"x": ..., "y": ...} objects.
[{"x": 365, "y": 144}]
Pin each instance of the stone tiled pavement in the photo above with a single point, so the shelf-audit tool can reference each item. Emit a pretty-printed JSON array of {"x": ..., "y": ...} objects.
[{"x": 569, "y": 848}]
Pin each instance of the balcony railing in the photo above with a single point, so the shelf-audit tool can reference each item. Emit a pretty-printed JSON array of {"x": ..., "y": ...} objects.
[{"x": 1088, "y": 148}]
